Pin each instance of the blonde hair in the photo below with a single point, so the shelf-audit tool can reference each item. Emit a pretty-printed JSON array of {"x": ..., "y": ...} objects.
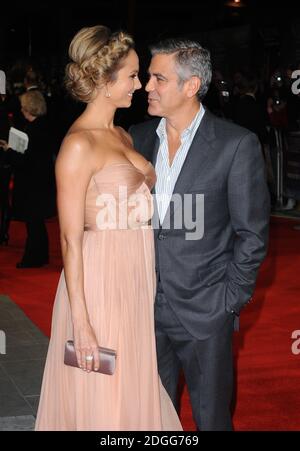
[
  {"x": 95, "y": 55},
  {"x": 34, "y": 103}
]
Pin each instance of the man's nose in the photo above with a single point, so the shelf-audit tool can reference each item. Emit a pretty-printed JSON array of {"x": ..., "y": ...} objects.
[{"x": 149, "y": 85}]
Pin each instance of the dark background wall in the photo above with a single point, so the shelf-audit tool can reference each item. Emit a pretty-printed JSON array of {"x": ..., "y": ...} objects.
[
  {"x": 259, "y": 34},
  {"x": 43, "y": 29}
]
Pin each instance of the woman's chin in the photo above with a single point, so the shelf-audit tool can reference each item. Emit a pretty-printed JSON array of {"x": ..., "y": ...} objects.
[{"x": 126, "y": 103}]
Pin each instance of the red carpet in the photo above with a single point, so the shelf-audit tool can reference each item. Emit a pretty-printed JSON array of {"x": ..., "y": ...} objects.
[{"x": 268, "y": 373}]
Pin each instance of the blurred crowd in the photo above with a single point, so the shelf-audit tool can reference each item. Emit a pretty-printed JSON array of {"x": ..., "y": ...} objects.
[{"x": 263, "y": 103}]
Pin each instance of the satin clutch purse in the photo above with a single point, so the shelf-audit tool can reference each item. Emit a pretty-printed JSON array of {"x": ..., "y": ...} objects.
[{"x": 107, "y": 358}]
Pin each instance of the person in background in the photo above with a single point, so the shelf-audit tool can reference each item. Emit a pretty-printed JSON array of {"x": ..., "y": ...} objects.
[
  {"x": 33, "y": 179},
  {"x": 5, "y": 175},
  {"x": 248, "y": 112}
]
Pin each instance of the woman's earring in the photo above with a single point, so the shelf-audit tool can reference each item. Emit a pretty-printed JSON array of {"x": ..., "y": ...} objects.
[{"x": 107, "y": 94}]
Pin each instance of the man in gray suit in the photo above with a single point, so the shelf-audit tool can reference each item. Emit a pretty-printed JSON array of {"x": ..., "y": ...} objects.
[{"x": 210, "y": 175}]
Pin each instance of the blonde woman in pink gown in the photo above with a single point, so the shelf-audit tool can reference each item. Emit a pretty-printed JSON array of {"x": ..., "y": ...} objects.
[{"x": 105, "y": 295}]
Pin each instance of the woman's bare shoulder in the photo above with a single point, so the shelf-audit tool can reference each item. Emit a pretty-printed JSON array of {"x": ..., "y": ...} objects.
[
  {"x": 76, "y": 150},
  {"x": 125, "y": 135}
]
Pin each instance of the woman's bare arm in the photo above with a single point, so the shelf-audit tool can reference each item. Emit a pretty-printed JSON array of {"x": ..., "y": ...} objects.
[{"x": 74, "y": 168}]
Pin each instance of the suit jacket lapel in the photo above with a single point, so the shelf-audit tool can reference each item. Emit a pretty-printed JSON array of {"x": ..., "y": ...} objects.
[
  {"x": 196, "y": 159},
  {"x": 154, "y": 154},
  {"x": 150, "y": 147},
  {"x": 151, "y": 143}
]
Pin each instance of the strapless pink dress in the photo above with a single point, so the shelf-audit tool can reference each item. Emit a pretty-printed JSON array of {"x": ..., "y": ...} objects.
[{"x": 119, "y": 285}]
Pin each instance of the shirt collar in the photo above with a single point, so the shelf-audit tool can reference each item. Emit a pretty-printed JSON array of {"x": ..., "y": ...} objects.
[{"x": 190, "y": 130}]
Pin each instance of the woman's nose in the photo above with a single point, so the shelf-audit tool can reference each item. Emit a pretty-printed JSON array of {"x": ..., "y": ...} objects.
[{"x": 138, "y": 83}]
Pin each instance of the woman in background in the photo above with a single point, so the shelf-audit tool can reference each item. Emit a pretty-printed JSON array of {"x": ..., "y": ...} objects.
[{"x": 33, "y": 179}]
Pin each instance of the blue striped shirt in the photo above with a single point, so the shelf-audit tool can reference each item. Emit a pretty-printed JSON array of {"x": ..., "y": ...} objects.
[{"x": 167, "y": 175}]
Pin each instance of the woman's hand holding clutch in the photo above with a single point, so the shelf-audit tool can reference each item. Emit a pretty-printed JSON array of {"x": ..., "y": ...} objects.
[{"x": 86, "y": 347}]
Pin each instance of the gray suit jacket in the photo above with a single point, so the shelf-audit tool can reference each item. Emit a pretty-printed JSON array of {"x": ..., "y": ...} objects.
[{"x": 205, "y": 280}]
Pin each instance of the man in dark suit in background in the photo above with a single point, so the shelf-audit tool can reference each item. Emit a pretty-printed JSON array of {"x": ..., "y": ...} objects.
[
  {"x": 248, "y": 112},
  {"x": 207, "y": 276}
]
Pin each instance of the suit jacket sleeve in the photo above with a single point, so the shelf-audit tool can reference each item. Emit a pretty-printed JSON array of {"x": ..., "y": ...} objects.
[
  {"x": 249, "y": 207},
  {"x": 145, "y": 138}
]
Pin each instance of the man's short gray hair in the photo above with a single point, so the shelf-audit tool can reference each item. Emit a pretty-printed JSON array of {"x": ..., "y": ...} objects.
[{"x": 191, "y": 60}]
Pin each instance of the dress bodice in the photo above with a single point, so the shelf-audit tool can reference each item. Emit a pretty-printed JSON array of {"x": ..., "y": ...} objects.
[{"x": 118, "y": 198}]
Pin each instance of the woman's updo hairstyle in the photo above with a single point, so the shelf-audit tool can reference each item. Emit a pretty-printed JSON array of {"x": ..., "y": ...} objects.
[{"x": 95, "y": 55}]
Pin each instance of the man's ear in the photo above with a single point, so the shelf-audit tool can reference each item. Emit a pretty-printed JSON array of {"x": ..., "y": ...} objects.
[{"x": 192, "y": 86}]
